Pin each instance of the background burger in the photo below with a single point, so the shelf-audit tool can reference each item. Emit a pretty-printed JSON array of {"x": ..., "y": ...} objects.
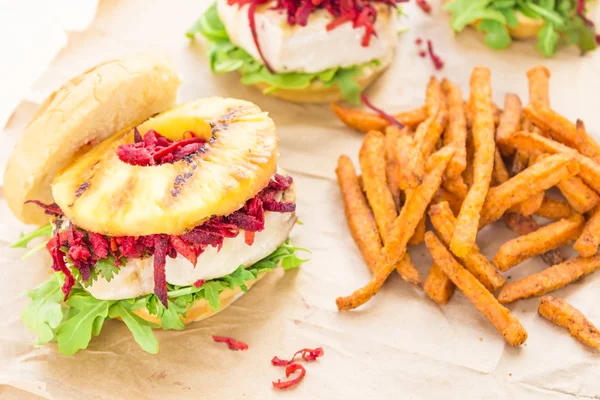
[
  {"x": 302, "y": 50},
  {"x": 551, "y": 23},
  {"x": 157, "y": 218}
]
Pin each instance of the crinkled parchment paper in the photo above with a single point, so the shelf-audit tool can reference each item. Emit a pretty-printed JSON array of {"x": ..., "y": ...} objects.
[{"x": 400, "y": 345}]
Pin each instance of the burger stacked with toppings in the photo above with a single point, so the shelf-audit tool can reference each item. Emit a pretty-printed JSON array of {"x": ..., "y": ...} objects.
[
  {"x": 157, "y": 218},
  {"x": 552, "y": 23},
  {"x": 301, "y": 50}
]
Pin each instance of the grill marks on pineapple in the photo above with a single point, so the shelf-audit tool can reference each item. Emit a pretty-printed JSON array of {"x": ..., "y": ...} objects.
[
  {"x": 237, "y": 160},
  {"x": 181, "y": 180}
]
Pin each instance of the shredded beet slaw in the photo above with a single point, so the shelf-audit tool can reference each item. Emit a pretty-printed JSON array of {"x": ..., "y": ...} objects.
[
  {"x": 232, "y": 344},
  {"x": 155, "y": 149},
  {"x": 87, "y": 248},
  {"x": 361, "y": 13}
]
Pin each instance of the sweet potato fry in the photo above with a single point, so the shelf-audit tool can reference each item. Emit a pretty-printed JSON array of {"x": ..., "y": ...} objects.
[
  {"x": 539, "y": 85},
  {"x": 550, "y": 279},
  {"x": 532, "y": 204},
  {"x": 392, "y": 167},
  {"x": 499, "y": 173},
  {"x": 437, "y": 285},
  {"x": 358, "y": 214},
  {"x": 518, "y": 222},
  {"x": 563, "y": 314},
  {"x": 428, "y": 133},
  {"x": 496, "y": 113},
  {"x": 585, "y": 143},
  {"x": 588, "y": 242},
  {"x": 510, "y": 121},
  {"x": 554, "y": 209},
  {"x": 456, "y": 132},
  {"x": 366, "y": 121},
  {"x": 380, "y": 197},
  {"x": 453, "y": 201},
  {"x": 403, "y": 147},
  {"x": 467, "y": 222},
  {"x": 541, "y": 176},
  {"x": 579, "y": 195},
  {"x": 468, "y": 172},
  {"x": 482, "y": 299},
  {"x": 404, "y": 227},
  {"x": 525, "y": 225},
  {"x": 407, "y": 270},
  {"x": 418, "y": 236},
  {"x": 590, "y": 170},
  {"x": 519, "y": 161},
  {"x": 372, "y": 164},
  {"x": 544, "y": 239},
  {"x": 456, "y": 186},
  {"x": 443, "y": 220},
  {"x": 563, "y": 130}
]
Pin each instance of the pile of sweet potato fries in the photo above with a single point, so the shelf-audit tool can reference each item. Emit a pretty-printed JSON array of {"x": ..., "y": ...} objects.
[{"x": 467, "y": 165}]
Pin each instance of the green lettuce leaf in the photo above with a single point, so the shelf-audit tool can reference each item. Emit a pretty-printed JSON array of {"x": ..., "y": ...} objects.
[
  {"x": 224, "y": 56},
  {"x": 562, "y": 24},
  {"x": 72, "y": 324}
]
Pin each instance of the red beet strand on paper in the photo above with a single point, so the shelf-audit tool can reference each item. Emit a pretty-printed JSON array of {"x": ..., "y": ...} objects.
[
  {"x": 290, "y": 369},
  {"x": 231, "y": 343},
  {"x": 306, "y": 354}
]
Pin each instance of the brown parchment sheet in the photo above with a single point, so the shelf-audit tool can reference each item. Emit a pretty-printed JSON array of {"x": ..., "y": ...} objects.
[{"x": 398, "y": 346}]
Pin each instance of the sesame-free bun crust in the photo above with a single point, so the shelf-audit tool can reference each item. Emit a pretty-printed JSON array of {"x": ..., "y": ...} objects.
[
  {"x": 84, "y": 111},
  {"x": 318, "y": 93}
]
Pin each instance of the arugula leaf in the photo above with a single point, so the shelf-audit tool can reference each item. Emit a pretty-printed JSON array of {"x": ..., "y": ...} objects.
[
  {"x": 44, "y": 230},
  {"x": 44, "y": 314},
  {"x": 224, "y": 56},
  {"x": 140, "y": 328},
  {"x": 169, "y": 317},
  {"x": 496, "y": 34},
  {"x": 212, "y": 289},
  {"x": 75, "y": 332}
]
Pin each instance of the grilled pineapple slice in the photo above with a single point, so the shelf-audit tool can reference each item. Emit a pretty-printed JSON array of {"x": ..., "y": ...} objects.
[{"x": 101, "y": 193}]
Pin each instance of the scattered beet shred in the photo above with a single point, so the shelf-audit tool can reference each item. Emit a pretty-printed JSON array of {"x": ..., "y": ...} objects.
[
  {"x": 424, "y": 5},
  {"x": 306, "y": 354},
  {"x": 438, "y": 63},
  {"x": 86, "y": 248},
  {"x": 290, "y": 369},
  {"x": 231, "y": 343},
  {"x": 381, "y": 113},
  {"x": 361, "y": 13}
]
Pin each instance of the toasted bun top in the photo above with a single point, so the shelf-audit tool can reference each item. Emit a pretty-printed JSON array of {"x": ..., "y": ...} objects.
[{"x": 85, "y": 110}]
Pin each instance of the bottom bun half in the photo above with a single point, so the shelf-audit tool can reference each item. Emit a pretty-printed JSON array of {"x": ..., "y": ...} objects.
[
  {"x": 318, "y": 93},
  {"x": 200, "y": 309}
]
